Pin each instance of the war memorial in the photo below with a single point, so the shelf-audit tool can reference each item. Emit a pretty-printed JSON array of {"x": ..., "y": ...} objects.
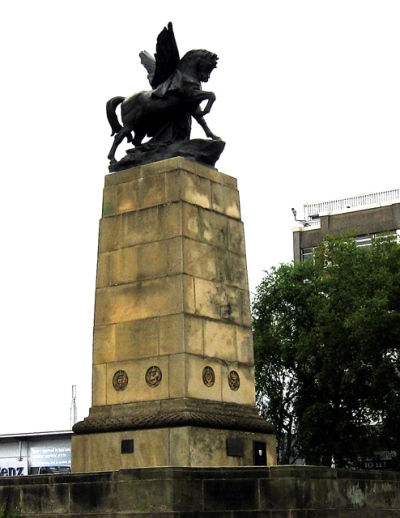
[{"x": 173, "y": 430}]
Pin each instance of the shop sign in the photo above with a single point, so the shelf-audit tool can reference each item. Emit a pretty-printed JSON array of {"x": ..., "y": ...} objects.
[
  {"x": 12, "y": 468},
  {"x": 41, "y": 455}
]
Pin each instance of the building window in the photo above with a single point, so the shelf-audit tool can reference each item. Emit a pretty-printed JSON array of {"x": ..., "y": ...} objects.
[
  {"x": 307, "y": 254},
  {"x": 362, "y": 241}
]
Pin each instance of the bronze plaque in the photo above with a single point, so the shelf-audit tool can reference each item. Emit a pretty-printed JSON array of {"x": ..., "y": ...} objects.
[
  {"x": 153, "y": 376},
  {"x": 233, "y": 380},
  {"x": 120, "y": 380},
  {"x": 208, "y": 376}
]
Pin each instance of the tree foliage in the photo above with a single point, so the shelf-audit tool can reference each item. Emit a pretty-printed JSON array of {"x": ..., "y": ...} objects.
[{"x": 327, "y": 344}]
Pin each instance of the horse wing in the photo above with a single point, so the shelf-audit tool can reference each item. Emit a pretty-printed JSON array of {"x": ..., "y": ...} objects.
[
  {"x": 167, "y": 56},
  {"x": 149, "y": 64}
]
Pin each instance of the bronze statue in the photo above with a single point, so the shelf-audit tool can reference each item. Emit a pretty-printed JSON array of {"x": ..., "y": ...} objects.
[{"x": 164, "y": 113}]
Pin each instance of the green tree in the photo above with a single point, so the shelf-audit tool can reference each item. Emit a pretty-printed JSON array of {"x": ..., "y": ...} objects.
[
  {"x": 6, "y": 513},
  {"x": 327, "y": 344}
]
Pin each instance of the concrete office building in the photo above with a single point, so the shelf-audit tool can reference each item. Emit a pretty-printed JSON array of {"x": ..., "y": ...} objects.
[{"x": 366, "y": 216}]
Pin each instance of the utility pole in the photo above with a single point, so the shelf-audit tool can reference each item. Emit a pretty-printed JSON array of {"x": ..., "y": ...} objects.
[{"x": 73, "y": 410}]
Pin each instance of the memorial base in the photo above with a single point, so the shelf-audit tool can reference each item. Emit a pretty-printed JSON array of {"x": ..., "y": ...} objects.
[
  {"x": 181, "y": 446},
  {"x": 173, "y": 364}
]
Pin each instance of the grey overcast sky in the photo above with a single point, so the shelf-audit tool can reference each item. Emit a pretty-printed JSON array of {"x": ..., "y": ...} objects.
[{"x": 307, "y": 102}]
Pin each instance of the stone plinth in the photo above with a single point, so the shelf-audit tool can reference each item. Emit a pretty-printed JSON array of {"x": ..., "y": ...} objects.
[
  {"x": 280, "y": 491},
  {"x": 172, "y": 346}
]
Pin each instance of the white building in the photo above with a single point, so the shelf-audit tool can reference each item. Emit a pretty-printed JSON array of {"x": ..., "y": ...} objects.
[{"x": 35, "y": 453}]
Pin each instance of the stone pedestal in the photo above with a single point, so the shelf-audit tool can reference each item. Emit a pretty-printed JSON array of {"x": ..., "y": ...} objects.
[
  {"x": 251, "y": 492},
  {"x": 173, "y": 372}
]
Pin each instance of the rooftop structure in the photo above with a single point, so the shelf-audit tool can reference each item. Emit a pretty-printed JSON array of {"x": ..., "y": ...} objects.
[{"x": 365, "y": 216}]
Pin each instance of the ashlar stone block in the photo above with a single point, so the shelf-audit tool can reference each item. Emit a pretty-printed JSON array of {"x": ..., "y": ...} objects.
[
  {"x": 172, "y": 334},
  {"x": 233, "y": 392},
  {"x": 169, "y": 220},
  {"x": 196, "y": 387},
  {"x": 99, "y": 384},
  {"x": 209, "y": 297},
  {"x": 137, "y": 339},
  {"x": 140, "y": 193},
  {"x": 138, "y": 227},
  {"x": 244, "y": 345},
  {"x": 200, "y": 259},
  {"x": 194, "y": 335},
  {"x": 104, "y": 344},
  {"x": 196, "y": 190},
  {"x": 103, "y": 270},
  {"x": 146, "y": 261},
  {"x": 178, "y": 376},
  {"x": 205, "y": 226},
  {"x": 139, "y": 300},
  {"x": 225, "y": 200},
  {"x": 235, "y": 234},
  {"x": 232, "y": 269},
  {"x": 220, "y": 340},
  {"x": 109, "y": 234}
]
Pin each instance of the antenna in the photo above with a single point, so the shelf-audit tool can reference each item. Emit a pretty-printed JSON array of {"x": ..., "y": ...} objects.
[
  {"x": 303, "y": 221},
  {"x": 73, "y": 410}
]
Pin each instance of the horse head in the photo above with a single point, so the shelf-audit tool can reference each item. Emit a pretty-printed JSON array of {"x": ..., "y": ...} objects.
[{"x": 202, "y": 61}]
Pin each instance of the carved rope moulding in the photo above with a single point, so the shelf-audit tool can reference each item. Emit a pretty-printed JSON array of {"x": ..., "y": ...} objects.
[{"x": 120, "y": 380}]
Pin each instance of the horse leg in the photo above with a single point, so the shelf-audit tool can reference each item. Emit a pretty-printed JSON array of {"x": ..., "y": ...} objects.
[
  {"x": 211, "y": 101},
  {"x": 198, "y": 115},
  {"x": 201, "y": 96},
  {"x": 196, "y": 98},
  {"x": 119, "y": 137},
  {"x": 139, "y": 136}
]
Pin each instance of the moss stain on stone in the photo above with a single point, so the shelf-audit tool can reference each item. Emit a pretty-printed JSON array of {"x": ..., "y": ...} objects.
[
  {"x": 107, "y": 210},
  {"x": 356, "y": 496}
]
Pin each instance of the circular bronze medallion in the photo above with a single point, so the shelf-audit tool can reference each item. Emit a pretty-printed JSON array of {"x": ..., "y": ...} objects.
[
  {"x": 153, "y": 376},
  {"x": 208, "y": 376},
  {"x": 234, "y": 380},
  {"x": 120, "y": 380}
]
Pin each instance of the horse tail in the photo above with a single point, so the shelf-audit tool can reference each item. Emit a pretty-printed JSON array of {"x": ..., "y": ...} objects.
[{"x": 111, "y": 106}]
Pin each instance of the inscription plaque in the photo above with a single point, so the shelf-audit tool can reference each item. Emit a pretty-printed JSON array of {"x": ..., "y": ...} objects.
[
  {"x": 127, "y": 446},
  {"x": 234, "y": 447}
]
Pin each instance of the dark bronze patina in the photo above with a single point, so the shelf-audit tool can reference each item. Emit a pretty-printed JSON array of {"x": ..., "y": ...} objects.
[{"x": 164, "y": 114}]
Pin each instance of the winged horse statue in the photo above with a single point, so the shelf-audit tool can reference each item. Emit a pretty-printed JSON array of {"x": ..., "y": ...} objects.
[{"x": 164, "y": 113}]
